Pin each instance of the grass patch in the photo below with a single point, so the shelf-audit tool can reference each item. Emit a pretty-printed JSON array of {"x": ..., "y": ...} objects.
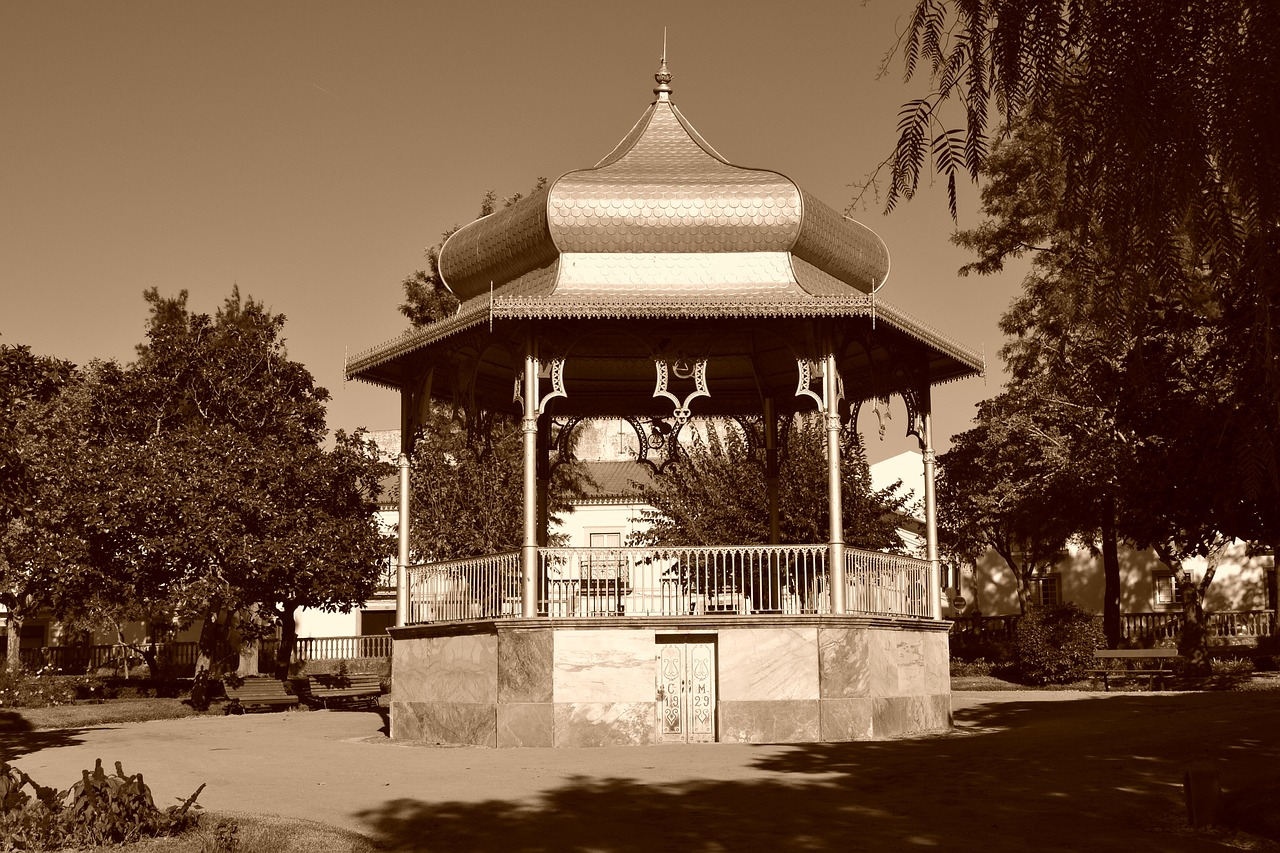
[
  {"x": 250, "y": 833},
  {"x": 79, "y": 716}
]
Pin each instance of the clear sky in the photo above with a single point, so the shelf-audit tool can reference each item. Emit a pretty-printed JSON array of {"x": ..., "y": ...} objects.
[{"x": 310, "y": 152}]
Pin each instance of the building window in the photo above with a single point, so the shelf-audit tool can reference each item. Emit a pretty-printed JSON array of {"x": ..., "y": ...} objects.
[
  {"x": 1167, "y": 590},
  {"x": 1046, "y": 591},
  {"x": 605, "y": 540}
]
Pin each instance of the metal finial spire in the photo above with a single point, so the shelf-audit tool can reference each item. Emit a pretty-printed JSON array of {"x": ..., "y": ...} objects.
[{"x": 663, "y": 89}]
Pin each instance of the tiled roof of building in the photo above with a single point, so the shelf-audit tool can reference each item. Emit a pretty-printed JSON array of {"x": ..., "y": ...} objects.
[{"x": 616, "y": 480}]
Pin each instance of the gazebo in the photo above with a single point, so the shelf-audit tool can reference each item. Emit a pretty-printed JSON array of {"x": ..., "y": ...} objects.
[{"x": 662, "y": 284}]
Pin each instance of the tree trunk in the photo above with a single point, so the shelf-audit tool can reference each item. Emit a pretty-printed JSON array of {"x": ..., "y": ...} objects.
[
  {"x": 1111, "y": 575},
  {"x": 1193, "y": 643},
  {"x": 213, "y": 643},
  {"x": 288, "y": 640},
  {"x": 13, "y": 633}
]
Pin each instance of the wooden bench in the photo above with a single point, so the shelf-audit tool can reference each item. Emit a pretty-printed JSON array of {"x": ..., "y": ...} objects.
[
  {"x": 329, "y": 690},
  {"x": 1150, "y": 664},
  {"x": 257, "y": 694}
]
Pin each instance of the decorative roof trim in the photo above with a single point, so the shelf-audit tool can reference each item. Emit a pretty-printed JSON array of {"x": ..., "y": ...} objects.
[
  {"x": 476, "y": 311},
  {"x": 923, "y": 332}
]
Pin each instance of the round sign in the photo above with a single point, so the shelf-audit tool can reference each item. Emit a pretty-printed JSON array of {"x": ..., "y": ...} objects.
[{"x": 958, "y": 602}]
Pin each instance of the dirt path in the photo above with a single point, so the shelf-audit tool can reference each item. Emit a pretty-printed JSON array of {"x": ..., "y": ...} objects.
[{"x": 1022, "y": 771}]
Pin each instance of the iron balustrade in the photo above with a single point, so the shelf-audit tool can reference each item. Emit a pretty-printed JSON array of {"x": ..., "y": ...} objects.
[
  {"x": 472, "y": 588},
  {"x": 669, "y": 581},
  {"x": 682, "y": 581},
  {"x": 880, "y": 583}
]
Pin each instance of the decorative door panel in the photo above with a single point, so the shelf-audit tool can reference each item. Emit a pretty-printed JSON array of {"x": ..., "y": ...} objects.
[{"x": 687, "y": 688}]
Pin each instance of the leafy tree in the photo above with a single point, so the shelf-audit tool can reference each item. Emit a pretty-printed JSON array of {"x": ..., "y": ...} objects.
[
  {"x": 206, "y": 493},
  {"x": 1134, "y": 394},
  {"x": 1006, "y": 484},
  {"x": 1159, "y": 119},
  {"x": 466, "y": 493},
  {"x": 32, "y": 469},
  {"x": 716, "y": 494},
  {"x": 1162, "y": 115}
]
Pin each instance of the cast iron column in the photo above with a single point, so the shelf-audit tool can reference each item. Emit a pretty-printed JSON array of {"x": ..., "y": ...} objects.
[
  {"x": 930, "y": 508},
  {"x": 529, "y": 430},
  {"x": 831, "y": 415},
  {"x": 402, "y": 567}
]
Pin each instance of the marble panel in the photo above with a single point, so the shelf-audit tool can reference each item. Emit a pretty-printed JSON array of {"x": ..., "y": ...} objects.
[
  {"x": 768, "y": 663},
  {"x": 882, "y": 667},
  {"x": 783, "y": 721},
  {"x": 937, "y": 663},
  {"x": 524, "y": 665},
  {"x": 905, "y": 715},
  {"x": 908, "y": 653},
  {"x": 843, "y": 666},
  {"x": 405, "y": 724},
  {"x": 471, "y": 724},
  {"x": 605, "y": 666},
  {"x": 446, "y": 669},
  {"x": 605, "y": 723},
  {"x": 526, "y": 724},
  {"x": 846, "y": 719}
]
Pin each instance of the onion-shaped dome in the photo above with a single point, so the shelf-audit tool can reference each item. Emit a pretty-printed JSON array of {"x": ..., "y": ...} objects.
[{"x": 665, "y": 218}]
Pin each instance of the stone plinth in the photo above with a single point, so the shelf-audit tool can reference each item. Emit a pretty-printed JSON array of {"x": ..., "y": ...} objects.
[{"x": 595, "y": 682}]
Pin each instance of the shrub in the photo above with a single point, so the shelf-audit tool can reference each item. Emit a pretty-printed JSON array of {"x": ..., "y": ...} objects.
[
  {"x": 96, "y": 811},
  {"x": 1055, "y": 645},
  {"x": 971, "y": 668},
  {"x": 39, "y": 690}
]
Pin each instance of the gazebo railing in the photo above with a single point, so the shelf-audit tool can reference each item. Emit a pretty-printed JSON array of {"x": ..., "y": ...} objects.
[
  {"x": 485, "y": 587},
  {"x": 886, "y": 583},
  {"x": 683, "y": 581},
  {"x": 669, "y": 581}
]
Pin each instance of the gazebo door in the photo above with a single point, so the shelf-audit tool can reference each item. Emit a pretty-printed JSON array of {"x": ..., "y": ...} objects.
[{"x": 687, "y": 688}]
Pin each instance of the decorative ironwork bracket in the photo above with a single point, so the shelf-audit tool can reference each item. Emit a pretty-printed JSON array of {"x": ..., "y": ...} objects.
[
  {"x": 813, "y": 370},
  {"x": 561, "y": 439},
  {"x": 683, "y": 368},
  {"x": 553, "y": 370},
  {"x": 656, "y": 434}
]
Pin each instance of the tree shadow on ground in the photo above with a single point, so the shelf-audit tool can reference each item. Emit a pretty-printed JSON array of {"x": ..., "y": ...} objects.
[
  {"x": 1097, "y": 774},
  {"x": 19, "y": 738}
]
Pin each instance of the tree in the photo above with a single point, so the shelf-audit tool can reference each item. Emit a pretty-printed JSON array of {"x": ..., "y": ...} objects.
[
  {"x": 1159, "y": 118},
  {"x": 205, "y": 493},
  {"x": 715, "y": 493},
  {"x": 466, "y": 493},
  {"x": 32, "y": 470},
  {"x": 1006, "y": 484},
  {"x": 1134, "y": 394}
]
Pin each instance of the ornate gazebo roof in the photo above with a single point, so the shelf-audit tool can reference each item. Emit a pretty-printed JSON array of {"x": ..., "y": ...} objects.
[{"x": 663, "y": 232}]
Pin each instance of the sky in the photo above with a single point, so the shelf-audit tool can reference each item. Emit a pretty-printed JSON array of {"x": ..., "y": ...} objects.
[{"x": 310, "y": 152}]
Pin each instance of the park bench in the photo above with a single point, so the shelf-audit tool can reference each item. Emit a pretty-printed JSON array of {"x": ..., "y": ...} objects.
[
  {"x": 258, "y": 694},
  {"x": 342, "y": 690},
  {"x": 1150, "y": 664}
]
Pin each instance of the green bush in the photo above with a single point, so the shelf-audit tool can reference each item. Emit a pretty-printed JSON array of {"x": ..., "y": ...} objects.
[
  {"x": 1055, "y": 645},
  {"x": 971, "y": 668},
  {"x": 35, "y": 690},
  {"x": 98, "y": 810}
]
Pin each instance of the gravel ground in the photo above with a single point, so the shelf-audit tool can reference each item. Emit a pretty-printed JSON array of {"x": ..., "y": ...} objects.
[{"x": 1042, "y": 770}]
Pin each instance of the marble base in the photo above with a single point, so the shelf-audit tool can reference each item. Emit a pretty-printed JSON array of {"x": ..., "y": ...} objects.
[{"x": 541, "y": 682}]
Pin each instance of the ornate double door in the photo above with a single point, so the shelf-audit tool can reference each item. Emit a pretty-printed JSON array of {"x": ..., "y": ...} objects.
[{"x": 687, "y": 688}]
